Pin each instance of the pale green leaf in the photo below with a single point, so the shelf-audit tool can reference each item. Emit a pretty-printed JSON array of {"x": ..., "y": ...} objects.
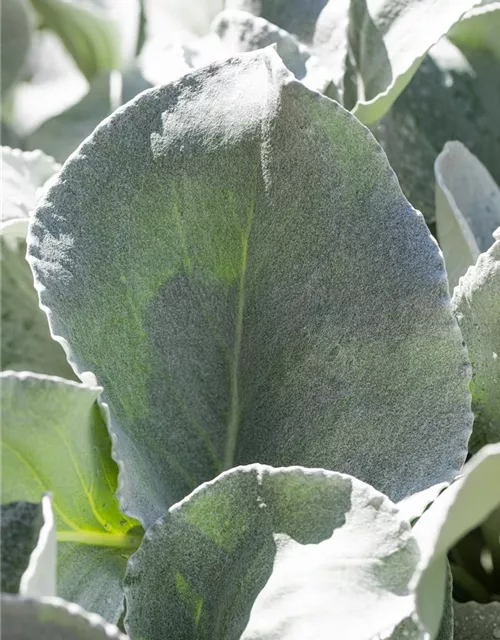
[
  {"x": 467, "y": 209},
  {"x": 458, "y": 510},
  {"x": 479, "y": 29},
  {"x": 100, "y": 34},
  {"x": 69, "y": 456},
  {"x": 446, "y": 624},
  {"x": 25, "y": 340},
  {"x": 28, "y": 548},
  {"x": 16, "y": 33},
  {"x": 24, "y": 174},
  {"x": 52, "y": 619},
  {"x": 474, "y": 621},
  {"x": 263, "y": 553},
  {"x": 454, "y": 96},
  {"x": 61, "y": 135},
  {"x": 245, "y": 298},
  {"x": 476, "y": 303}
]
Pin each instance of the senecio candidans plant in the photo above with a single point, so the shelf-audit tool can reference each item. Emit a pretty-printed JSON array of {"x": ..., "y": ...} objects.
[{"x": 242, "y": 396}]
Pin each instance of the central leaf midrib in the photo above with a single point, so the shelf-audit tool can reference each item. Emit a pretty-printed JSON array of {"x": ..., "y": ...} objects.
[{"x": 234, "y": 407}]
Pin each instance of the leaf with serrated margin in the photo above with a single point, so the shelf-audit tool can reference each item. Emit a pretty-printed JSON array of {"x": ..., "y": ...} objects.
[
  {"x": 476, "y": 304},
  {"x": 50, "y": 619},
  {"x": 479, "y": 29},
  {"x": 262, "y": 553},
  {"x": 467, "y": 208},
  {"x": 28, "y": 548},
  {"x": 255, "y": 287},
  {"x": 54, "y": 439}
]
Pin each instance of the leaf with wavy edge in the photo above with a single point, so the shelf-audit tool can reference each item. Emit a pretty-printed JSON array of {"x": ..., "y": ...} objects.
[
  {"x": 479, "y": 29},
  {"x": 467, "y": 208},
  {"x": 266, "y": 553},
  {"x": 474, "y": 621},
  {"x": 28, "y": 546},
  {"x": 283, "y": 312},
  {"x": 50, "y": 618},
  {"x": 476, "y": 304},
  {"x": 69, "y": 456},
  {"x": 457, "y": 510},
  {"x": 16, "y": 33}
]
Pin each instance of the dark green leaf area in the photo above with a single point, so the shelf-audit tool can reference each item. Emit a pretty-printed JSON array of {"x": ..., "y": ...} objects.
[
  {"x": 453, "y": 96},
  {"x": 20, "y": 528}
]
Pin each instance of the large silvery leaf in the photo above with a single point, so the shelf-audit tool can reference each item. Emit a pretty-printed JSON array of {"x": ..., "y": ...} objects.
[
  {"x": 25, "y": 341},
  {"x": 476, "y": 303},
  {"x": 475, "y": 621},
  {"x": 28, "y": 546},
  {"x": 52, "y": 619},
  {"x": 387, "y": 40},
  {"x": 267, "y": 553},
  {"x": 255, "y": 288},
  {"x": 54, "y": 439},
  {"x": 467, "y": 208},
  {"x": 100, "y": 34},
  {"x": 453, "y": 96},
  {"x": 458, "y": 510},
  {"x": 16, "y": 33},
  {"x": 24, "y": 173}
]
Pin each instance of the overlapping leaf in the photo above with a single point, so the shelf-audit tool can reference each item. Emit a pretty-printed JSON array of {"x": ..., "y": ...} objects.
[
  {"x": 54, "y": 439},
  {"x": 16, "y": 33},
  {"x": 477, "y": 621},
  {"x": 209, "y": 258}
]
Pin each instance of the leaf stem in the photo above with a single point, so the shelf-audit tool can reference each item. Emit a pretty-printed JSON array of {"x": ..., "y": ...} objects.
[{"x": 120, "y": 541}]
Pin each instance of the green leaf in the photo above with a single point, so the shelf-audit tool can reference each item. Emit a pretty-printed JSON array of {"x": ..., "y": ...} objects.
[
  {"x": 101, "y": 35},
  {"x": 28, "y": 546},
  {"x": 458, "y": 510},
  {"x": 61, "y": 135},
  {"x": 24, "y": 174},
  {"x": 51, "y": 619},
  {"x": 273, "y": 553},
  {"x": 454, "y": 96},
  {"x": 479, "y": 29},
  {"x": 16, "y": 34},
  {"x": 467, "y": 208},
  {"x": 255, "y": 287},
  {"x": 25, "y": 341},
  {"x": 476, "y": 304},
  {"x": 69, "y": 456},
  {"x": 475, "y": 621}
]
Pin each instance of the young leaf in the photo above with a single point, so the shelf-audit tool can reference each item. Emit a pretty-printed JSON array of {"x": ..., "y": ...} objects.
[
  {"x": 50, "y": 619},
  {"x": 387, "y": 40},
  {"x": 28, "y": 547},
  {"x": 476, "y": 304},
  {"x": 479, "y": 29},
  {"x": 458, "y": 510},
  {"x": 16, "y": 34},
  {"x": 54, "y": 439},
  {"x": 467, "y": 208},
  {"x": 475, "y": 621},
  {"x": 453, "y": 96},
  {"x": 255, "y": 287},
  {"x": 25, "y": 341},
  {"x": 260, "y": 550},
  {"x": 24, "y": 173}
]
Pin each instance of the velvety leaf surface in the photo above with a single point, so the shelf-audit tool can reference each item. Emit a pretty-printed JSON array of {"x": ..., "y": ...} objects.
[
  {"x": 61, "y": 135},
  {"x": 25, "y": 340},
  {"x": 458, "y": 510},
  {"x": 16, "y": 34},
  {"x": 275, "y": 553},
  {"x": 454, "y": 96},
  {"x": 245, "y": 299},
  {"x": 383, "y": 43},
  {"x": 467, "y": 208},
  {"x": 53, "y": 438},
  {"x": 479, "y": 29},
  {"x": 28, "y": 548},
  {"x": 24, "y": 173},
  {"x": 52, "y": 619},
  {"x": 475, "y": 621},
  {"x": 476, "y": 304}
]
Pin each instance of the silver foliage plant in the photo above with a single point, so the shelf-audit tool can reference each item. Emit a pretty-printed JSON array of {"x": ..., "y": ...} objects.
[{"x": 245, "y": 392}]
